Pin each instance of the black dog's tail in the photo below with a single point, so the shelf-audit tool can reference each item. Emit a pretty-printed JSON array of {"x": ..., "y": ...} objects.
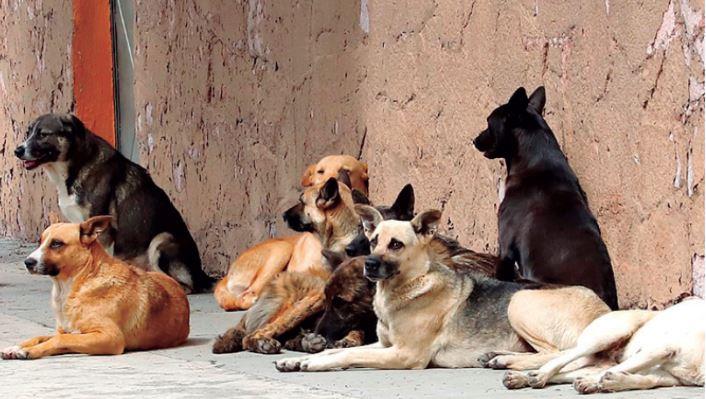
[{"x": 165, "y": 255}]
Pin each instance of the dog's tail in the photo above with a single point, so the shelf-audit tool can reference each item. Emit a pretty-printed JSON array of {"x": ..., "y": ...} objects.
[
  {"x": 164, "y": 256},
  {"x": 226, "y": 299}
]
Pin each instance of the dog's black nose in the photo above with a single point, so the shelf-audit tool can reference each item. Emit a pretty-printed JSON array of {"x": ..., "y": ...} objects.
[
  {"x": 20, "y": 150},
  {"x": 372, "y": 263},
  {"x": 30, "y": 263}
]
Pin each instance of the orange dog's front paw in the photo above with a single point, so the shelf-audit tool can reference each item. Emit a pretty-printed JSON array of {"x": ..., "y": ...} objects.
[{"x": 14, "y": 353}]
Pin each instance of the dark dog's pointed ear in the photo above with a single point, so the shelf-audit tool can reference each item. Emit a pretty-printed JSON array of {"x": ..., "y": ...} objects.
[
  {"x": 538, "y": 99},
  {"x": 519, "y": 99},
  {"x": 426, "y": 223},
  {"x": 333, "y": 258},
  {"x": 307, "y": 177},
  {"x": 370, "y": 217},
  {"x": 328, "y": 195},
  {"x": 404, "y": 204},
  {"x": 74, "y": 123},
  {"x": 344, "y": 177},
  {"x": 93, "y": 227},
  {"x": 359, "y": 197}
]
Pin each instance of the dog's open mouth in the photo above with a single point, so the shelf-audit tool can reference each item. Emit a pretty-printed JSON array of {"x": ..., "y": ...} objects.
[{"x": 30, "y": 164}]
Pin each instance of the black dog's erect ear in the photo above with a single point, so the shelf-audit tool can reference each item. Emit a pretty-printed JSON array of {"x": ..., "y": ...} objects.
[
  {"x": 359, "y": 197},
  {"x": 74, "y": 123},
  {"x": 328, "y": 195},
  {"x": 519, "y": 99},
  {"x": 427, "y": 222},
  {"x": 404, "y": 204},
  {"x": 344, "y": 177},
  {"x": 538, "y": 99},
  {"x": 370, "y": 217},
  {"x": 333, "y": 258}
]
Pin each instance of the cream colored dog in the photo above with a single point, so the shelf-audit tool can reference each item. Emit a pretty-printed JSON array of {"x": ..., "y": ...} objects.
[{"x": 629, "y": 349}]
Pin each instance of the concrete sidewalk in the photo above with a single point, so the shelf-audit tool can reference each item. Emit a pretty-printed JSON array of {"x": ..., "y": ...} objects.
[{"x": 192, "y": 371}]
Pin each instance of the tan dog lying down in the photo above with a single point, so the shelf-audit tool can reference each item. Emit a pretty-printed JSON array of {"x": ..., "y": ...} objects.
[
  {"x": 433, "y": 313},
  {"x": 258, "y": 265},
  {"x": 629, "y": 349},
  {"x": 102, "y": 305}
]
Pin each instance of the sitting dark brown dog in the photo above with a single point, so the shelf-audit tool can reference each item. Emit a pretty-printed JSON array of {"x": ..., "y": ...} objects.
[{"x": 544, "y": 223}]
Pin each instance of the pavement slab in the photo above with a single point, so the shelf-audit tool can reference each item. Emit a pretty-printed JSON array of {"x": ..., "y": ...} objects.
[{"x": 192, "y": 371}]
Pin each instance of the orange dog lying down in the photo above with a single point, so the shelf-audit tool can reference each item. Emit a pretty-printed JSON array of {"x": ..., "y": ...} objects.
[
  {"x": 102, "y": 305},
  {"x": 258, "y": 265}
]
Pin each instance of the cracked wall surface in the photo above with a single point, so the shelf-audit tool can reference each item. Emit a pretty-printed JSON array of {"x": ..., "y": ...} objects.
[
  {"x": 35, "y": 78},
  {"x": 234, "y": 99}
]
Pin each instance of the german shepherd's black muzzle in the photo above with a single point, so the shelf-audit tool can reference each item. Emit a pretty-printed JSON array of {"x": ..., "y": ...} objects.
[{"x": 377, "y": 269}]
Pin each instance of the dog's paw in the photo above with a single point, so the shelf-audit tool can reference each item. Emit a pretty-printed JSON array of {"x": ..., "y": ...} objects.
[
  {"x": 515, "y": 380},
  {"x": 536, "y": 379},
  {"x": 485, "y": 358},
  {"x": 586, "y": 385},
  {"x": 611, "y": 381},
  {"x": 288, "y": 364},
  {"x": 14, "y": 353},
  {"x": 314, "y": 343},
  {"x": 260, "y": 344},
  {"x": 231, "y": 341}
]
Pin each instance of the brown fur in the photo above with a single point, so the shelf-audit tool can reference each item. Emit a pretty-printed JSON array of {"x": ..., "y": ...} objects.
[
  {"x": 103, "y": 306},
  {"x": 258, "y": 265},
  {"x": 296, "y": 295}
]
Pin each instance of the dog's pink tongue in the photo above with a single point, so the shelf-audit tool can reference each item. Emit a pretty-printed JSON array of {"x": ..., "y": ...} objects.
[{"x": 30, "y": 164}]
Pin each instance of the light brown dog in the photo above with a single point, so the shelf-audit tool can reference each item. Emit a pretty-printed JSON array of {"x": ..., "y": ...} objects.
[
  {"x": 258, "y": 265},
  {"x": 293, "y": 297},
  {"x": 102, "y": 305}
]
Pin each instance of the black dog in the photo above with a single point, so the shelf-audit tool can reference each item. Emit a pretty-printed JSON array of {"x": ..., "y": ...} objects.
[
  {"x": 544, "y": 223},
  {"x": 94, "y": 179}
]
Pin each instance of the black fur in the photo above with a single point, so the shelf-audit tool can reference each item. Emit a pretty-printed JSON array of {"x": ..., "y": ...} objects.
[
  {"x": 107, "y": 183},
  {"x": 544, "y": 221}
]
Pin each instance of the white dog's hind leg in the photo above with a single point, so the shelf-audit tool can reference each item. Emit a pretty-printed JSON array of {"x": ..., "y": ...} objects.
[{"x": 614, "y": 382}]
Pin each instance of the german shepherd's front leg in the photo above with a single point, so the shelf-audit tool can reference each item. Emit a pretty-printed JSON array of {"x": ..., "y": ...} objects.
[
  {"x": 94, "y": 343},
  {"x": 263, "y": 340},
  {"x": 392, "y": 358}
]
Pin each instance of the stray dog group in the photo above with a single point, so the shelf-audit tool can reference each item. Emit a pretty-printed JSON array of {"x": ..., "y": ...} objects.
[{"x": 360, "y": 286}]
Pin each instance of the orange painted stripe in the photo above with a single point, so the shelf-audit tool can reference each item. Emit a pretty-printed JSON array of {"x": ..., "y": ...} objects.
[{"x": 92, "y": 58}]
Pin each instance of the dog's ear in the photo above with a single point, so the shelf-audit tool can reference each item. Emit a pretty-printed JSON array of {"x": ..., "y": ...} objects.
[
  {"x": 93, "y": 227},
  {"x": 426, "y": 223},
  {"x": 519, "y": 100},
  {"x": 404, "y": 204},
  {"x": 364, "y": 175},
  {"x": 537, "y": 100},
  {"x": 73, "y": 123},
  {"x": 344, "y": 177},
  {"x": 328, "y": 195},
  {"x": 333, "y": 258},
  {"x": 359, "y": 197},
  {"x": 307, "y": 180},
  {"x": 370, "y": 217}
]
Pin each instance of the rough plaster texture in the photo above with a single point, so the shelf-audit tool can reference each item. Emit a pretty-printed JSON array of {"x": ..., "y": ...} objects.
[
  {"x": 35, "y": 78},
  {"x": 233, "y": 99}
]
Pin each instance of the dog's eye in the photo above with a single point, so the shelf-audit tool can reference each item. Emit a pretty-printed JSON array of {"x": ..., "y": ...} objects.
[
  {"x": 338, "y": 301},
  {"x": 373, "y": 243},
  {"x": 56, "y": 244},
  {"x": 395, "y": 245},
  {"x": 320, "y": 171}
]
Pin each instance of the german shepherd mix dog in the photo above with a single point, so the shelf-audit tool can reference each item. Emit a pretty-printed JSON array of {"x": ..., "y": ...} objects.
[
  {"x": 294, "y": 298},
  {"x": 629, "y": 349},
  {"x": 433, "y": 313},
  {"x": 258, "y": 265},
  {"x": 102, "y": 305},
  {"x": 544, "y": 223},
  {"x": 349, "y": 319},
  {"x": 94, "y": 179}
]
